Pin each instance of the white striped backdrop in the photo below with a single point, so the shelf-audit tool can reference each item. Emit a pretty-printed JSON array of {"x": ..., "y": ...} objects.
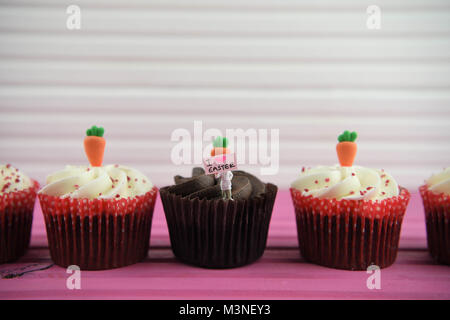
[{"x": 142, "y": 68}]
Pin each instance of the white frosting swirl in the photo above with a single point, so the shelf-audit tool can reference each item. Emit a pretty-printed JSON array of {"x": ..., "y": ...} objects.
[
  {"x": 336, "y": 182},
  {"x": 440, "y": 182},
  {"x": 111, "y": 181},
  {"x": 12, "y": 179}
]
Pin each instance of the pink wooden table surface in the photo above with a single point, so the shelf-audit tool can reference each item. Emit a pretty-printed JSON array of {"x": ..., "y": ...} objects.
[{"x": 280, "y": 274}]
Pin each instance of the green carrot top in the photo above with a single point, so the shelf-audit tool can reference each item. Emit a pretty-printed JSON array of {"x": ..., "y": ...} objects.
[
  {"x": 95, "y": 131},
  {"x": 220, "y": 142},
  {"x": 348, "y": 136}
]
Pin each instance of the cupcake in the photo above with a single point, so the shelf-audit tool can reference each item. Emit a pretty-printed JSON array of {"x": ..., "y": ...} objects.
[
  {"x": 213, "y": 226},
  {"x": 436, "y": 201},
  {"x": 17, "y": 197},
  {"x": 348, "y": 217},
  {"x": 97, "y": 217}
]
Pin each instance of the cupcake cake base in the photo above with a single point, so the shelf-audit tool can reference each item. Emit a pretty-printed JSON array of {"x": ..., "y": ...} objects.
[
  {"x": 16, "y": 218},
  {"x": 100, "y": 233},
  {"x": 218, "y": 233},
  {"x": 437, "y": 216},
  {"x": 349, "y": 234}
]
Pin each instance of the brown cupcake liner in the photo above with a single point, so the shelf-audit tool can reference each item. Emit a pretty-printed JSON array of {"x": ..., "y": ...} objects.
[
  {"x": 99, "y": 233},
  {"x": 16, "y": 219},
  {"x": 437, "y": 216},
  {"x": 349, "y": 234},
  {"x": 218, "y": 233}
]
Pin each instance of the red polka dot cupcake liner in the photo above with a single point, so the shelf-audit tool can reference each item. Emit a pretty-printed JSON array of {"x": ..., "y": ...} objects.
[
  {"x": 437, "y": 216},
  {"x": 99, "y": 233},
  {"x": 16, "y": 218},
  {"x": 349, "y": 234}
]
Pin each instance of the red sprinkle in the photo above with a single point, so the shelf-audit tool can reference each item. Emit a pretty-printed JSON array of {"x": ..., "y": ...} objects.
[
  {"x": 383, "y": 193},
  {"x": 369, "y": 188},
  {"x": 128, "y": 178},
  {"x": 316, "y": 182},
  {"x": 117, "y": 195},
  {"x": 327, "y": 180},
  {"x": 8, "y": 166},
  {"x": 6, "y": 186},
  {"x": 306, "y": 190},
  {"x": 17, "y": 180},
  {"x": 352, "y": 192},
  {"x": 353, "y": 174}
]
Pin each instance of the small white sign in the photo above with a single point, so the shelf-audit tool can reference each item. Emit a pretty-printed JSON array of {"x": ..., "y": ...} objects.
[{"x": 220, "y": 163}]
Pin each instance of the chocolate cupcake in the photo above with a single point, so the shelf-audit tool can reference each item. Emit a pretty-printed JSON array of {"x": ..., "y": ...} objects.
[
  {"x": 208, "y": 231},
  {"x": 436, "y": 201}
]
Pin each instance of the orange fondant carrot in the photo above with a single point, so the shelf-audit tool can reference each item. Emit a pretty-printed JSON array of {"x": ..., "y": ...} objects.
[
  {"x": 218, "y": 151},
  {"x": 346, "y": 148},
  {"x": 94, "y": 145},
  {"x": 220, "y": 146}
]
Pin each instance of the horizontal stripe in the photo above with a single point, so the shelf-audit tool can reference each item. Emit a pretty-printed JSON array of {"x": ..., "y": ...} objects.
[
  {"x": 402, "y": 5},
  {"x": 44, "y": 92},
  {"x": 137, "y": 21},
  {"x": 207, "y": 50},
  {"x": 227, "y": 120},
  {"x": 131, "y": 74}
]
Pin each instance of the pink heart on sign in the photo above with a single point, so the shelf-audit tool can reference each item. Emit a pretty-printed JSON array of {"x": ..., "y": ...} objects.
[{"x": 221, "y": 159}]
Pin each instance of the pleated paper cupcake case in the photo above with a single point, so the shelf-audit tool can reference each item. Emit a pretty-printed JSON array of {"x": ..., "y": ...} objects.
[
  {"x": 99, "y": 233},
  {"x": 16, "y": 219},
  {"x": 349, "y": 234},
  {"x": 217, "y": 233},
  {"x": 437, "y": 216}
]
